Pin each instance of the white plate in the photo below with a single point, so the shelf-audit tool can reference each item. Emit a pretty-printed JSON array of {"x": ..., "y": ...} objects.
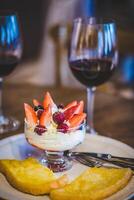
[{"x": 16, "y": 147}]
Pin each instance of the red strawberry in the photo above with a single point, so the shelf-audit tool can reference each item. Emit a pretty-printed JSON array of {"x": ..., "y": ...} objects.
[
  {"x": 80, "y": 107},
  {"x": 30, "y": 114},
  {"x": 76, "y": 120},
  {"x": 47, "y": 100},
  {"x": 36, "y": 102},
  {"x": 73, "y": 103},
  {"x": 70, "y": 112},
  {"x": 77, "y": 109},
  {"x": 46, "y": 117}
]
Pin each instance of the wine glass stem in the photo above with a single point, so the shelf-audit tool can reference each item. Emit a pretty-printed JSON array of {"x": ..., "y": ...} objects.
[
  {"x": 90, "y": 109},
  {"x": 1, "y": 84}
]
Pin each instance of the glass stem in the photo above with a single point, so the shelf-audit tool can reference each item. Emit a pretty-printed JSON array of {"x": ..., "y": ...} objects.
[
  {"x": 1, "y": 84},
  {"x": 90, "y": 110}
]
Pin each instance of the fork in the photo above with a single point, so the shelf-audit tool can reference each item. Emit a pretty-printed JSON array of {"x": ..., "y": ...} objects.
[
  {"x": 89, "y": 163},
  {"x": 97, "y": 162}
]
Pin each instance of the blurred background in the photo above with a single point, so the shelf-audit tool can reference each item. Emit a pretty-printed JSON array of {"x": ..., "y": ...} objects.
[{"x": 46, "y": 28}]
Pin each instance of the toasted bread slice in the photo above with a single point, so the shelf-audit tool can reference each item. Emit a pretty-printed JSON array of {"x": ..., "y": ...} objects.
[
  {"x": 28, "y": 176},
  {"x": 94, "y": 184}
]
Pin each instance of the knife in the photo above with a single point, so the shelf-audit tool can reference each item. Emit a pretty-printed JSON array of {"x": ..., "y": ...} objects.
[{"x": 103, "y": 156}]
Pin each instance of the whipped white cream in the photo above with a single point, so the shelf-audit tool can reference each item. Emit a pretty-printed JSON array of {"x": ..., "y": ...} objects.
[{"x": 54, "y": 140}]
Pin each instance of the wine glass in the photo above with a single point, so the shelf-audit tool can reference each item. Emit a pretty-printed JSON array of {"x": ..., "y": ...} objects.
[
  {"x": 10, "y": 54},
  {"x": 93, "y": 57}
]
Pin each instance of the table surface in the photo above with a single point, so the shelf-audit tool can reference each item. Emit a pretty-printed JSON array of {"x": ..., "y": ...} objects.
[{"x": 114, "y": 116}]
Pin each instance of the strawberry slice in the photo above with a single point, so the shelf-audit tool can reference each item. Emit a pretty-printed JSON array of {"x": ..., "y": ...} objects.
[
  {"x": 30, "y": 114},
  {"x": 76, "y": 120},
  {"x": 46, "y": 117},
  {"x": 73, "y": 103},
  {"x": 80, "y": 107},
  {"x": 70, "y": 112},
  {"x": 47, "y": 100},
  {"x": 77, "y": 109},
  {"x": 36, "y": 102}
]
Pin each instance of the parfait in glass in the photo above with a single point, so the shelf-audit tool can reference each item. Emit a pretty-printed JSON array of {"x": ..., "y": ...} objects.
[{"x": 55, "y": 129}]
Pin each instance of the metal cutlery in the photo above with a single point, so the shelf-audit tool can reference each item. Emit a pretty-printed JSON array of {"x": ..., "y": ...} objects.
[
  {"x": 103, "y": 162},
  {"x": 89, "y": 163},
  {"x": 106, "y": 157},
  {"x": 114, "y": 162},
  {"x": 99, "y": 159}
]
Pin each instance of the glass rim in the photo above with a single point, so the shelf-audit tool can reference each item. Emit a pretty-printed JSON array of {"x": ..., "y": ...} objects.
[
  {"x": 7, "y": 13},
  {"x": 60, "y": 130},
  {"x": 94, "y": 21}
]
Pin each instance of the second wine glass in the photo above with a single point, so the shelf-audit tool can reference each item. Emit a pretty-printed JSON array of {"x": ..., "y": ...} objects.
[
  {"x": 10, "y": 54},
  {"x": 93, "y": 57}
]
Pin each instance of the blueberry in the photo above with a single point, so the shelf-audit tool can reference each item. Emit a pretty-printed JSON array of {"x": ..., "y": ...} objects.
[
  {"x": 38, "y": 107},
  {"x": 60, "y": 106},
  {"x": 35, "y": 108}
]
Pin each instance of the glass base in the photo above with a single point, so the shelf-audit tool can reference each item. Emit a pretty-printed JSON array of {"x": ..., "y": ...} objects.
[
  {"x": 56, "y": 161},
  {"x": 8, "y": 124},
  {"x": 90, "y": 130}
]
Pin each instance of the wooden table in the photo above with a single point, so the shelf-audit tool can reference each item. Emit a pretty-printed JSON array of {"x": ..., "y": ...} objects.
[{"x": 114, "y": 116}]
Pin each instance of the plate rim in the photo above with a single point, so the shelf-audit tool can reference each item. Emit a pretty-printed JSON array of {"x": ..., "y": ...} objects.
[
  {"x": 103, "y": 138},
  {"x": 112, "y": 140}
]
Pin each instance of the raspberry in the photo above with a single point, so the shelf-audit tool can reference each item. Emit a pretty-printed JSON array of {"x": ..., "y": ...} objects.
[
  {"x": 58, "y": 117},
  {"x": 63, "y": 127},
  {"x": 39, "y": 113},
  {"x": 40, "y": 129},
  {"x": 39, "y": 110}
]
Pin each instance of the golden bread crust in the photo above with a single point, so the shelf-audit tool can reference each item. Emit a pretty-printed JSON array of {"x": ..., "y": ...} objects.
[
  {"x": 28, "y": 176},
  {"x": 94, "y": 184}
]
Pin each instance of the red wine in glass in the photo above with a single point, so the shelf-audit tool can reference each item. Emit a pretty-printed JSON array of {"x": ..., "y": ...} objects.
[
  {"x": 93, "y": 57},
  {"x": 7, "y": 64},
  {"x": 92, "y": 72},
  {"x": 10, "y": 54}
]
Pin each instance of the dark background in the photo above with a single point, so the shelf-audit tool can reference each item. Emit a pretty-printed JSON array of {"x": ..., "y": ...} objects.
[{"x": 33, "y": 14}]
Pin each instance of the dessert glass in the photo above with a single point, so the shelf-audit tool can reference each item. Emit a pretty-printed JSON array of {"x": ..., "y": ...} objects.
[{"x": 55, "y": 142}]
